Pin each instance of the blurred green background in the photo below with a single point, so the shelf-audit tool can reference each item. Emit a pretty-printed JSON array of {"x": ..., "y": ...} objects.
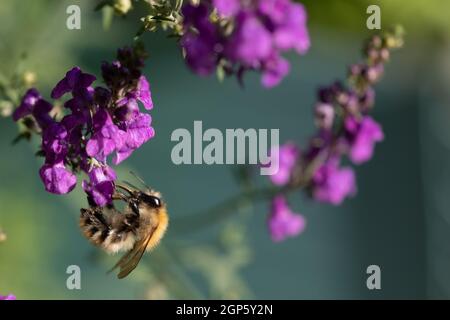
[{"x": 399, "y": 220}]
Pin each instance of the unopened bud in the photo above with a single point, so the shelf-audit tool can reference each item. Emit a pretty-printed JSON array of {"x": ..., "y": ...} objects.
[
  {"x": 122, "y": 6},
  {"x": 29, "y": 78},
  {"x": 324, "y": 115}
]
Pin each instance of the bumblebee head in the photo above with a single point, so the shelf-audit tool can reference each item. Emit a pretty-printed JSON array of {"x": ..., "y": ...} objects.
[{"x": 150, "y": 200}]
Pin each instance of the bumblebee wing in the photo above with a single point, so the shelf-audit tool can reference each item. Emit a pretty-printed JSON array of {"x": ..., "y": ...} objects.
[
  {"x": 132, "y": 263},
  {"x": 131, "y": 259}
]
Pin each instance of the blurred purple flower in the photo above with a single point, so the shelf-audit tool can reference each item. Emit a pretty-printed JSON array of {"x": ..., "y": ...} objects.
[
  {"x": 362, "y": 136},
  {"x": 275, "y": 69},
  {"x": 251, "y": 42},
  {"x": 200, "y": 40},
  {"x": 227, "y": 8},
  {"x": 331, "y": 184},
  {"x": 262, "y": 31},
  {"x": 33, "y": 104},
  {"x": 284, "y": 223},
  {"x": 324, "y": 114},
  {"x": 8, "y": 297}
]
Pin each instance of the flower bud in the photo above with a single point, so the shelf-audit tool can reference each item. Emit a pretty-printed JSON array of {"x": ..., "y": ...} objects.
[
  {"x": 29, "y": 78},
  {"x": 122, "y": 6},
  {"x": 324, "y": 116}
]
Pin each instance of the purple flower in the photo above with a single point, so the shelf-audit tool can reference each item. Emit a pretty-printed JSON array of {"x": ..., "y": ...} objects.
[
  {"x": 200, "y": 45},
  {"x": 99, "y": 122},
  {"x": 283, "y": 223},
  {"x": 251, "y": 43},
  {"x": 57, "y": 179},
  {"x": 227, "y": 8},
  {"x": 292, "y": 32},
  {"x": 362, "y": 136},
  {"x": 144, "y": 94},
  {"x": 275, "y": 69},
  {"x": 8, "y": 297},
  {"x": 107, "y": 137},
  {"x": 33, "y": 104},
  {"x": 75, "y": 80},
  {"x": 332, "y": 184},
  {"x": 101, "y": 185},
  {"x": 261, "y": 31},
  {"x": 275, "y": 10},
  {"x": 54, "y": 143},
  {"x": 128, "y": 106},
  {"x": 27, "y": 105},
  {"x": 288, "y": 155},
  {"x": 74, "y": 123},
  {"x": 138, "y": 131}
]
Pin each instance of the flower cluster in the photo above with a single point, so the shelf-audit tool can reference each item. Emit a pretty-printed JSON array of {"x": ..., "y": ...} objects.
[
  {"x": 241, "y": 35},
  {"x": 344, "y": 129},
  {"x": 99, "y": 122}
]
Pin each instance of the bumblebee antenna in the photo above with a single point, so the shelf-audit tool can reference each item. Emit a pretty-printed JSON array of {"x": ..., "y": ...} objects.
[
  {"x": 130, "y": 185},
  {"x": 126, "y": 188},
  {"x": 140, "y": 180}
]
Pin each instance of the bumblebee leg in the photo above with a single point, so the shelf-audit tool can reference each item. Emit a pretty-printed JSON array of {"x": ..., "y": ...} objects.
[{"x": 94, "y": 225}]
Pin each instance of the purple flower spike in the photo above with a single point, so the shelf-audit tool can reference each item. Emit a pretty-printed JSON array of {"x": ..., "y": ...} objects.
[
  {"x": 97, "y": 122},
  {"x": 263, "y": 31},
  {"x": 26, "y": 107},
  {"x": 74, "y": 79},
  {"x": 284, "y": 223},
  {"x": 200, "y": 48},
  {"x": 57, "y": 179},
  {"x": 362, "y": 137},
  {"x": 8, "y": 297},
  {"x": 332, "y": 184},
  {"x": 101, "y": 185},
  {"x": 288, "y": 156}
]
